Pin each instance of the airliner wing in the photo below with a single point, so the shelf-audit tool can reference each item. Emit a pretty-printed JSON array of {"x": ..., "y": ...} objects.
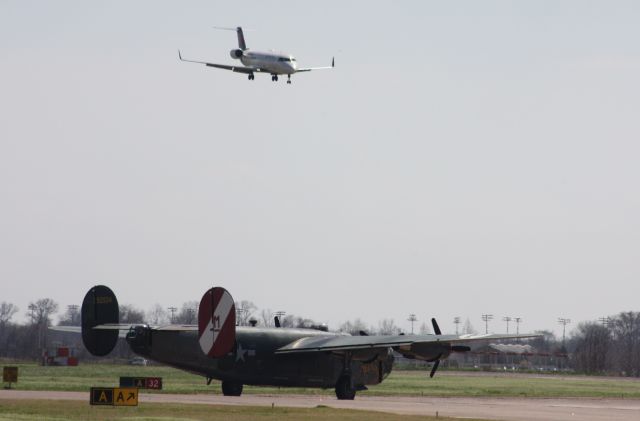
[
  {"x": 308, "y": 69},
  {"x": 351, "y": 343},
  {"x": 237, "y": 69}
]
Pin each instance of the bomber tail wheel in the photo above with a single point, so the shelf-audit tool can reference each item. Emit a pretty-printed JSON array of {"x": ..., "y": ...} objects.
[
  {"x": 231, "y": 388},
  {"x": 344, "y": 389}
]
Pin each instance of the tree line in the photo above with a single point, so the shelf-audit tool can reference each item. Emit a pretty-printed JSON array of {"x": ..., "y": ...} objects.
[{"x": 610, "y": 346}]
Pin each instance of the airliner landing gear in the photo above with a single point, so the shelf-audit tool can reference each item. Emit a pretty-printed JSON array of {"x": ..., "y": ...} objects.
[
  {"x": 289, "y": 79},
  {"x": 274, "y": 78},
  {"x": 251, "y": 76}
]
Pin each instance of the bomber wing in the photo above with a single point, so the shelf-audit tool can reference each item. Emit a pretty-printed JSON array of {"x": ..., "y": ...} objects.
[
  {"x": 351, "y": 343},
  {"x": 237, "y": 69},
  {"x": 124, "y": 328}
]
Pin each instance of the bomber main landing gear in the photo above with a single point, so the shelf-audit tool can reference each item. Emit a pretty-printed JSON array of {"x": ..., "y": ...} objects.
[
  {"x": 231, "y": 388},
  {"x": 251, "y": 76},
  {"x": 274, "y": 78},
  {"x": 344, "y": 389}
]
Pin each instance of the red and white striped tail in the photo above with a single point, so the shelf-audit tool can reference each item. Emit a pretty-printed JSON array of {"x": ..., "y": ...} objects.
[{"x": 217, "y": 322}]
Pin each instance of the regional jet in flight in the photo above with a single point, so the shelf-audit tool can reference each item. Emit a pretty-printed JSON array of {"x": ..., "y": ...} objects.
[{"x": 260, "y": 62}]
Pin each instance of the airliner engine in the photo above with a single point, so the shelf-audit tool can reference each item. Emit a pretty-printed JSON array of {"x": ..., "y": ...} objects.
[{"x": 235, "y": 53}]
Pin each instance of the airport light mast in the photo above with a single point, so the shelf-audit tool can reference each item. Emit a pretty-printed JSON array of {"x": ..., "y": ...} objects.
[
  {"x": 173, "y": 314},
  {"x": 518, "y": 320},
  {"x": 486, "y": 318},
  {"x": 564, "y": 322},
  {"x": 412, "y": 318},
  {"x": 507, "y": 319}
]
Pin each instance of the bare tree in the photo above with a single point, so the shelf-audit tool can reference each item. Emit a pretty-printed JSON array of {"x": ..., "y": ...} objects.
[
  {"x": 288, "y": 321},
  {"x": 71, "y": 317},
  {"x": 40, "y": 314},
  {"x": 188, "y": 314},
  {"x": 591, "y": 342},
  {"x": 468, "y": 328},
  {"x": 41, "y": 311},
  {"x": 388, "y": 327},
  {"x": 7, "y": 310},
  {"x": 157, "y": 315},
  {"x": 353, "y": 327},
  {"x": 130, "y": 314},
  {"x": 626, "y": 331},
  {"x": 244, "y": 312},
  {"x": 266, "y": 317},
  {"x": 424, "y": 328},
  {"x": 546, "y": 343}
]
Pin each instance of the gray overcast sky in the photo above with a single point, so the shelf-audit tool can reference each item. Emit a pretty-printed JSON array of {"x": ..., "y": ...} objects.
[{"x": 463, "y": 157}]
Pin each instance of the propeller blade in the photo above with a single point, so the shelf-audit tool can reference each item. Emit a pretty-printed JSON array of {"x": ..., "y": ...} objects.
[
  {"x": 436, "y": 328},
  {"x": 435, "y": 368}
]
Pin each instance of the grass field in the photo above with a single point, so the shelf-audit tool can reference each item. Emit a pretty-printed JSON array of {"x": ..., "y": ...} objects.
[
  {"x": 407, "y": 383},
  {"x": 32, "y": 410}
]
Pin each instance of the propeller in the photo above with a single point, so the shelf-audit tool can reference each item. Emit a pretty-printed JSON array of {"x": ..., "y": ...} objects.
[
  {"x": 226, "y": 28},
  {"x": 435, "y": 367},
  {"x": 436, "y": 328},
  {"x": 436, "y": 364}
]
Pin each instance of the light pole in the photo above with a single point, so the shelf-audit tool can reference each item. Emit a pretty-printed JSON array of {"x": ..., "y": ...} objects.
[
  {"x": 486, "y": 318},
  {"x": 507, "y": 319},
  {"x": 518, "y": 320},
  {"x": 173, "y": 313},
  {"x": 606, "y": 321},
  {"x": 240, "y": 316},
  {"x": 412, "y": 318},
  {"x": 73, "y": 313},
  {"x": 456, "y": 320},
  {"x": 564, "y": 322}
]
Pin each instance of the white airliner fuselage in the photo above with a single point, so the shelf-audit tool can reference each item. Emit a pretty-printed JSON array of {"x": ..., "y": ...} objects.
[
  {"x": 274, "y": 63},
  {"x": 260, "y": 62}
]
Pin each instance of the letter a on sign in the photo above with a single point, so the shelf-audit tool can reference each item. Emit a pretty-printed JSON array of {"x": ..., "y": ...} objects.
[
  {"x": 101, "y": 396},
  {"x": 217, "y": 322},
  {"x": 125, "y": 396}
]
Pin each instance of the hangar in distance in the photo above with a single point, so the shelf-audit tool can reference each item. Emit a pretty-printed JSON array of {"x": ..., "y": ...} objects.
[
  {"x": 270, "y": 62},
  {"x": 216, "y": 348}
]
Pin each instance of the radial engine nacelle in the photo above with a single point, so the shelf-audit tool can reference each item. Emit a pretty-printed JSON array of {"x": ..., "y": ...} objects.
[{"x": 236, "y": 53}]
